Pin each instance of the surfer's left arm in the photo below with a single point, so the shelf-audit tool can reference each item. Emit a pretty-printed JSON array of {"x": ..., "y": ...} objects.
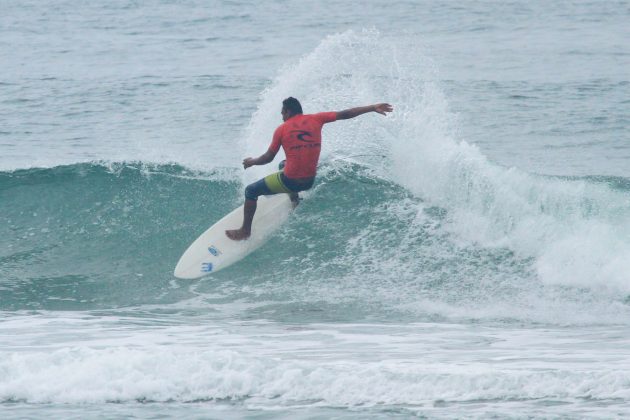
[{"x": 382, "y": 109}]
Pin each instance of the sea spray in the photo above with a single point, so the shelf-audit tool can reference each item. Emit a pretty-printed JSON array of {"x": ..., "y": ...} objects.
[{"x": 576, "y": 231}]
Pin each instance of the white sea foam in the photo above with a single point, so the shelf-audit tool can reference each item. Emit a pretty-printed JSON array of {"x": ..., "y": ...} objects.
[
  {"x": 177, "y": 374},
  {"x": 577, "y": 231},
  {"x": 349, "y": 365}
]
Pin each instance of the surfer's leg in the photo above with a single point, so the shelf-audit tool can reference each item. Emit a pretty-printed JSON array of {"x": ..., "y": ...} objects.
[
  {"x": 295, "y": 186},
  {"x": 271, "y": 184},
  {"x": 295, "y": 198},
  {"x": 249, "y": 209},
  {"x": 252, "y": 192}
]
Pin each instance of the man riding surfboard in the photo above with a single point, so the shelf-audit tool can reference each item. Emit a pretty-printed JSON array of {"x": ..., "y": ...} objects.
[{"x": 300, "y": 136}]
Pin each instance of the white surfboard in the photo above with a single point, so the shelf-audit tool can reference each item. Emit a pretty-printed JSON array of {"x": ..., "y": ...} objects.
[{"x": 213, "y": 251}]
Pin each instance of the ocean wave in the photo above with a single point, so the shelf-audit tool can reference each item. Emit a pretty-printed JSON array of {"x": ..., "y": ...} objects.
[
  {"x": 405, "y": 217},
  {"x": 91, "y": 236}
]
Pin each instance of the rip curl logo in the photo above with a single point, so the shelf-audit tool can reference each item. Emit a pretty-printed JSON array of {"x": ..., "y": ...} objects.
[
  {"x": 301, "y": 134},
  {"x": 206, "y": 267}
]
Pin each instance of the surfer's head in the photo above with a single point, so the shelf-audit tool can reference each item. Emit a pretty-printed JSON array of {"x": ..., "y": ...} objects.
[{"x": 290, "y": 107}]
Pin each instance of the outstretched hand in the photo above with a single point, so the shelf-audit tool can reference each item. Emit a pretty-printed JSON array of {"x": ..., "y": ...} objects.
[
  {"x": 247, "y": 162},
  {"x": 383, "y": 109}
]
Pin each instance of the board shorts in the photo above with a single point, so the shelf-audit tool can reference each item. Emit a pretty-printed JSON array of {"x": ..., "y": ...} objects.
[{"x": 277, "y": 183}]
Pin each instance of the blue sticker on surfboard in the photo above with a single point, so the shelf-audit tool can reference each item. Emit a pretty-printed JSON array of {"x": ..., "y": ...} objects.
[{"x": 214, "y": 251}]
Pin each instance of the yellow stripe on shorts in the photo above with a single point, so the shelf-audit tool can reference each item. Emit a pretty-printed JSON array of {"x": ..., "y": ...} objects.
[{"x": 274, "y": 183}]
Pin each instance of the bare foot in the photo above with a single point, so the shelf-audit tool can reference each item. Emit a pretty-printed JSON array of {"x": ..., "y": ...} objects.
[{"x": 237, "y": 234}]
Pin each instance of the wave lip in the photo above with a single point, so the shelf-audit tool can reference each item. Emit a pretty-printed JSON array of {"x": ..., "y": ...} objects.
[{"x": 577, "y": 231}]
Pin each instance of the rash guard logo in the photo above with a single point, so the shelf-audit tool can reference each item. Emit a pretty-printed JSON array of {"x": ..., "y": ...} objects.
[{"x": 300, "y": 134}]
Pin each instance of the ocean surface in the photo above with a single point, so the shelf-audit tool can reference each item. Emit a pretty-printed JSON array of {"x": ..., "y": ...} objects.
[{"x": 467, "y": 256}]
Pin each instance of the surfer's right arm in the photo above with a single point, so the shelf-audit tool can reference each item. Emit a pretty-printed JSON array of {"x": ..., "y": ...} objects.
[
  {"x": 268, "y": 156},
  {"x": 382, "y": 109},
  {"x": 263, "y": 159}
]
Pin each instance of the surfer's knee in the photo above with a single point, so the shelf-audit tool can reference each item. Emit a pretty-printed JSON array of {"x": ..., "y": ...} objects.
[
  {"x": 256, "y": 189},
  {"x": 251, "y": 192}
]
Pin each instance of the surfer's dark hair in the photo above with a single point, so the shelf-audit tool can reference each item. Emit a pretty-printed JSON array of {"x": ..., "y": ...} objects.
[{"x": 293, "y": 105}]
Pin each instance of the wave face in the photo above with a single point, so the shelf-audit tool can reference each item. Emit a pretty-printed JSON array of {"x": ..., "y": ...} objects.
[
  {"x": 93, "y": 236},
  {"x": 90, "y": 235}
]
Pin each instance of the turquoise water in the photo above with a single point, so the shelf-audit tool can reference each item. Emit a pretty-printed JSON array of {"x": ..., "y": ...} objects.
[{"x": 465, "y": 257}]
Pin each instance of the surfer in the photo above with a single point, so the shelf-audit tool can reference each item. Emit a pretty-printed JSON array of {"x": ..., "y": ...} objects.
[{"x": 300, "y": 136}]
